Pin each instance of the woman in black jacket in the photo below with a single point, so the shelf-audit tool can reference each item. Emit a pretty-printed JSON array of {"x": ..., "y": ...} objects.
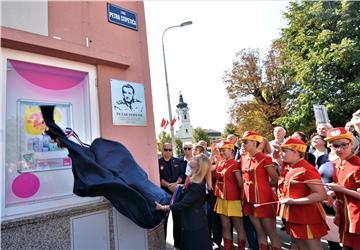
[{"x": 195, "y": 232}]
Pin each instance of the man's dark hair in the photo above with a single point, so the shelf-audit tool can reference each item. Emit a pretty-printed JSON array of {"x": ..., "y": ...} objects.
[
  {"x": 316, "y": 134},
  {"x": 128, "y": 86},
  {"x": 302, "y": 136}
]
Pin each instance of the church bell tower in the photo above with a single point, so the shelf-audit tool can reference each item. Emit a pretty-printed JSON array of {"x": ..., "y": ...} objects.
[{"x": 184, "y": 128}]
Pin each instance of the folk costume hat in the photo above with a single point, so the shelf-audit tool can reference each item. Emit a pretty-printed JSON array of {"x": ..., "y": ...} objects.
[
  {"x": 225, "y": 144},
  {"x": 252, "y": 136},
  {"x": 293, "y": 144},
  {"x": 337, "y": 133}
]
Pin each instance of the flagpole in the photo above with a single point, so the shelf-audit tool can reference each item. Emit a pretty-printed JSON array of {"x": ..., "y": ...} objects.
[{"x": 173, "y": 143}]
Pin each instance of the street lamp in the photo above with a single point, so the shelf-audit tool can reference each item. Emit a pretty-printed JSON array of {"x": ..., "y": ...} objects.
[{"x": 167, "y": 83}]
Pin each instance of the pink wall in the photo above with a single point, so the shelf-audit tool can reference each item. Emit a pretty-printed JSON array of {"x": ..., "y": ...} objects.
[
  {"x": 118, "y": 53},
  {"x": 139, "y": 140}
]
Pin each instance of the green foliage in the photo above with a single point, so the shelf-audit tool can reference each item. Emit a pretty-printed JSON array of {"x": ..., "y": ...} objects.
[
  {"x": 200, "y": 134},
  {"x": 179, "y": 147},
  {"x": 322, "y": 53},
  {"x": 230, "y": 128},
  {"x": 163, "y": 137}
]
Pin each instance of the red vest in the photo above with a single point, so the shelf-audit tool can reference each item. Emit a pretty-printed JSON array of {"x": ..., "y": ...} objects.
[
  {"x": 226, "y": 186},
  {"x": 347, "y": 174},
  {"x": 300, "y": 214},
  {"x": 257, "y": 188}
]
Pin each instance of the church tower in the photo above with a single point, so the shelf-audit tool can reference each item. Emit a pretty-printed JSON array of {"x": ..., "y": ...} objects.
[{"x": 184, "y": 128}]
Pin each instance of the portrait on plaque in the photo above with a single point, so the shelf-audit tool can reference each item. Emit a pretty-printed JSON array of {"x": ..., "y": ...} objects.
[{"x": 128, "y": 103}]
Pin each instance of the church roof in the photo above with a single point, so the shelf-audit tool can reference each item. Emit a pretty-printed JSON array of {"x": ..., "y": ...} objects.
[
  {"x": 181, "y": 103},
  {"x": 212, "y": 132}
]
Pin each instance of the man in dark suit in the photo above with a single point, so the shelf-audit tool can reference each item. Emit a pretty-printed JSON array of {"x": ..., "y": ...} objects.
[{"x": 171, "y": 174}]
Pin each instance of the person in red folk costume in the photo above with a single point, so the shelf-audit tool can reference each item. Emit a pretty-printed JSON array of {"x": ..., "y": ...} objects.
[
  {"x": 346, "y": 187},
  {"x": 300, "y": 192},
  {"x": 260, "y": 176},
  {"x": 228, "y": 192}
]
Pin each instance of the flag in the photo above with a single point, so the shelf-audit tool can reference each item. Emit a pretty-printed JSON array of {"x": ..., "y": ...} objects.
[
  {"x": 163, "y": 123},
  {"x": 172, "y": 122},
  {"x": 167, "y": 122}
]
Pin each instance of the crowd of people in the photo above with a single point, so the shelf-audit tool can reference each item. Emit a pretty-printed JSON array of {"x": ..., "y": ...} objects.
[{"x": 246, "y": 182}]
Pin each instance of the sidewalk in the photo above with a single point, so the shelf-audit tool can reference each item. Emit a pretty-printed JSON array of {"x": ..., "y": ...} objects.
[{"x": 284, "y": 237}]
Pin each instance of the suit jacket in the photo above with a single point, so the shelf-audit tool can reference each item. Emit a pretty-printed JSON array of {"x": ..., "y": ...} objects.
[
  {"x": 107, "y": 168},
  {"x": 191, "y": 206}
]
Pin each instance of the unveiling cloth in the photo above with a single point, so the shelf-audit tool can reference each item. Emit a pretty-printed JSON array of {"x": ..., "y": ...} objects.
[{"x": 106, "y": 168}]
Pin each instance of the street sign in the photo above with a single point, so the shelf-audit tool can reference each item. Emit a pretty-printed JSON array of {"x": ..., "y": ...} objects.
[{"x": 122, "y": 17}]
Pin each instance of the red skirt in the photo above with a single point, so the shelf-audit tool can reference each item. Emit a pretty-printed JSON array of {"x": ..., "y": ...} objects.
[
  {"x": 350, "y": 240},
  {"x": 307, "y": 231},
  {"x": 266, "y": 211}
]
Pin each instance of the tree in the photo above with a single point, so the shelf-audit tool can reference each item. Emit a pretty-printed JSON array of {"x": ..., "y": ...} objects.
[
  {"x": 258, "y": 89},
  {"x": 163, "y": 137},
  {"x": 321, "y": 51},
  {"x": 179, "y": 147},
  {"x": 230, "y": 128},
  {"x": 200, "y": 134}
]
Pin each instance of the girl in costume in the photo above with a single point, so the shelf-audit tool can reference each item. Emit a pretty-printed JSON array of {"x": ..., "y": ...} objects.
[
  {"x": 346, "y": 185},
  {"x": 301, "y": 192},
  {"x": 229, "y": 197},
  {"x": 260, "y": 176}
]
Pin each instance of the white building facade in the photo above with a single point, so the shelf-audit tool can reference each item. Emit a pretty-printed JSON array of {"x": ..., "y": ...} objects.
[{"x": 183, "y": 128}]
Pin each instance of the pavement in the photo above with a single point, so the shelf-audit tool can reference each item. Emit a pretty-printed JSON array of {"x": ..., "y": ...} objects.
[{"x": 284, "y": 237}]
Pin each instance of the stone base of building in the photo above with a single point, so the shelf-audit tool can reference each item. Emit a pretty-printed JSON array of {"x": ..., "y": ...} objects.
[{"x": 78, "y": 227}]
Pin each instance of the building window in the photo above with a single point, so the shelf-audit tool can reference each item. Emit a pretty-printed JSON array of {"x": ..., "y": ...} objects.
[
  {"x": 27, "y": 85},
  {"x": 185, "y": 117},
  {"x": 187, "y": 131},
  {"x": 32, "y": 160}
]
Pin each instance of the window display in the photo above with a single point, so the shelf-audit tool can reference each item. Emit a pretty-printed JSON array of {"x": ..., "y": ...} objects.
[
  {"x": 37, "y": 171},
  {"x": 37, "y": 151}
]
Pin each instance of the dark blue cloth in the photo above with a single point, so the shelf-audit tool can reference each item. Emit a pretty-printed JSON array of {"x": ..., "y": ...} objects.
[
  {"x": 177, "y": 195},
  {"x": 326, "y": 171},
  {"x": 322, "y": 159},
  {"x": 107, "y": 168}
]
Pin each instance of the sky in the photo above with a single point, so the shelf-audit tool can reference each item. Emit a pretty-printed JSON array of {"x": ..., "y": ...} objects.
[{"x": 198, "y": 55}]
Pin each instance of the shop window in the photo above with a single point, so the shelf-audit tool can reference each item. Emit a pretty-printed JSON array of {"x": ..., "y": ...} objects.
[{"x": 36, "y": 169}]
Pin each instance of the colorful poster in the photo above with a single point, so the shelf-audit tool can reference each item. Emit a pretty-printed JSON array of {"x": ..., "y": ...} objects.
[
  {"x": 128, "y": 103},
  {"x": 38, "y": 152}
]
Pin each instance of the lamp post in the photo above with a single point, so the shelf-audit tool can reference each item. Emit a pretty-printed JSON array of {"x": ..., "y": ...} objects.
[{"x": 167, "y": 83}]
